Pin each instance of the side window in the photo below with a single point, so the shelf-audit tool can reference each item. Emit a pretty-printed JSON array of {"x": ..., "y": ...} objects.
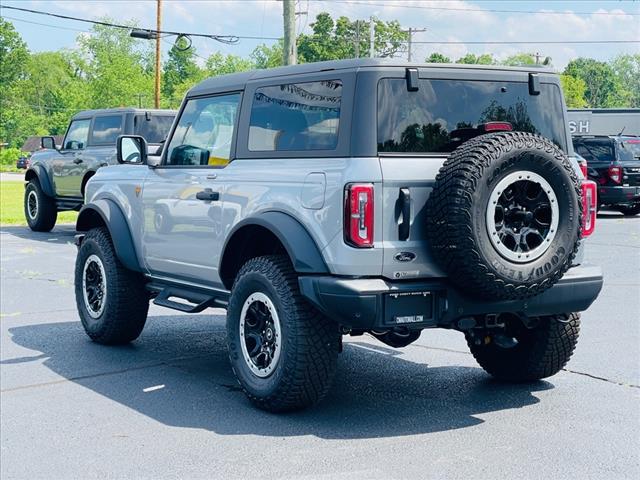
[
  {"x": 106, "y": 130},
  {"x": 204, "y": 132},
  {"x": 296, "y": 116},
  {"x": 76, "y": 138}
]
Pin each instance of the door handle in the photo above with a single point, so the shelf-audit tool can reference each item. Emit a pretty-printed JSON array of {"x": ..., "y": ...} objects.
[
  {"x": 77, "y": 161},
  {"x": 405, "y": 205},
  {"x": 208, "y": 195}
]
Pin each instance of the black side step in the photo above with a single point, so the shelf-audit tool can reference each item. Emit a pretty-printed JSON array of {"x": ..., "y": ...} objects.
[{"x": 197, "y": 301}]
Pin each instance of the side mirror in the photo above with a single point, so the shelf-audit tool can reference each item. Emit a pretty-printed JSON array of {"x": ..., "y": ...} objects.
[
  {"x": 131, "y": 149},
  {"x": 48, "y": 143}
]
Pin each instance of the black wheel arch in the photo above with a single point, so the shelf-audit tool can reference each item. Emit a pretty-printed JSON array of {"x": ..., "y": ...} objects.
[
  {"x": 105, "y": 212},
  {"x": 38, "y": 172},
  {"x": 278, "y": 233}
]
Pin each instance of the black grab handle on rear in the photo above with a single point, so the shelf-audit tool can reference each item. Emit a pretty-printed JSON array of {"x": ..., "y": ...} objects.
[{"x": 405, "y": 204}]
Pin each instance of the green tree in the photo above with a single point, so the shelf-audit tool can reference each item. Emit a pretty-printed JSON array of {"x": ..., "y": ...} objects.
[
  {"x": 519, "y": 59},
  {"x": 180, "y": 67},
  {"x": 599, "y": 78},
  {"x": 574, "y": 90},
  {"x": 436, "y": 57},
  {"x": 470, "y": 58},
  {"x": 220, "y": 64},
  {"x": 265, "y": 56},
  {"x": 626, "y": 68},
  {"x": 13, "y": 59},
  {"x": 344, "y": 38},
  {"x": 118, "y": 69}
]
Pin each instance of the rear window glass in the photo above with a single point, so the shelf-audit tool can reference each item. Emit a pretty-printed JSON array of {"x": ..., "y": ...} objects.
[
  {"x": 106, "y": 129},
  {"x": 154, "y": 130},
  {"x": 296, "y": 116},
  {"x": 595, "y": 149},
  {"x": 443, "y": 113},
  {"x": 630, "y": 149}
]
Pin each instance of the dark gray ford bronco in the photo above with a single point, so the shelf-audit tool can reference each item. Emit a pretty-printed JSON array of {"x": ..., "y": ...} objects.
[
  {"x": 57, "y": 176},
  {"x": 344, "y": 198}
]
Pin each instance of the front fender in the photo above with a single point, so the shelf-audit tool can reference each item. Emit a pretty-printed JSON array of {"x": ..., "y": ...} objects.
[
  {"x": 41, "y": 174},
  {"x": 106, "y": 212}
]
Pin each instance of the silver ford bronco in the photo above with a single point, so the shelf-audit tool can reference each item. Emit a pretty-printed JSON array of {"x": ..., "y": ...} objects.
[
  {"x": 57, "y": 175},
  {"x": 343, "y": 198}
]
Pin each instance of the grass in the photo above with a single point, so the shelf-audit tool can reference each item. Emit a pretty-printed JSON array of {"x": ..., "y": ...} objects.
[
  {"x": 12, "y": 209},
  {"x": 11, "y": 168}
]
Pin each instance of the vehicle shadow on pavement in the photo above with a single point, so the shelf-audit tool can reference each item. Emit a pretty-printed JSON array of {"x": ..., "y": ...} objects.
[
  {"x": 182, "y": 363},
  {"x": 60, "y": 234}
]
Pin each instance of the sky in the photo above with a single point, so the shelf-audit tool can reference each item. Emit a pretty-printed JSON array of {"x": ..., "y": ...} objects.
[{"x": 453, "y": 21}]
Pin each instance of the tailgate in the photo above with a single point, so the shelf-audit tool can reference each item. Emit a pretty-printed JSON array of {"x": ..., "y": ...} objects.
[{"x": 407, "y": 181}]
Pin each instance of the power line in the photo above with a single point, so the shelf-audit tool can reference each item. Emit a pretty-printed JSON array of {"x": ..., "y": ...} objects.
[
  {"x": 454, "y": 9},
  {"x": 228, "y": 39},
  {"x": 462, "y": 42}
]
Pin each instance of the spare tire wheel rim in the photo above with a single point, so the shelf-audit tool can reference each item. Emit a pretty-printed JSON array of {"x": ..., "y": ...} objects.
[
  {"x": 522, "y": 216},
  {"x": 32, "y": 204},
  {"x": 94, "y": 286},
  {"x": 260, "y": 334}
]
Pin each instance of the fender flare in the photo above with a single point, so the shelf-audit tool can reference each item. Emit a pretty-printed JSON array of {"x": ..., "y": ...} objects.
[
  {"x": 115, "y": 221},
  {"x": 43, "y": 179},
  {"x": 300, "y": 246}
]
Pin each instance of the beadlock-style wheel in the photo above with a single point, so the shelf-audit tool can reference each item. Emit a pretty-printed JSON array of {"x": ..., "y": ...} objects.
[
  {"x": 32, "y": 205},
  {"x": 94, "y": 286},
  {"x": 522, "y": 216},
  {"x": 260, "y": 334}
]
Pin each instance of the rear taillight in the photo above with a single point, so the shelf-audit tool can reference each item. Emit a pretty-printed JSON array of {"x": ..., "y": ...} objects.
[
  {"x": 615, "y": 174},
  {"x": 584, "y": 168},
  {"x": 358, "y": 215},
  {"x": 589, "y": 207}
]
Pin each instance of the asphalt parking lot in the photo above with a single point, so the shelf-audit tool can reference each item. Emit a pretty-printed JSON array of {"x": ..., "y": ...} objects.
[{"x": 167, "y": 406}]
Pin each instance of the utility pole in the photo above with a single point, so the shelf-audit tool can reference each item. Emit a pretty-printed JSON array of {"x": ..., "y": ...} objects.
[
  {"x": 290, "y": 48},
  {"x": 411, "y": 31},
  {"x": 158, "y": 28},
  {"x": 357, "y": 45},
  {"x": 372, "y": 38}
]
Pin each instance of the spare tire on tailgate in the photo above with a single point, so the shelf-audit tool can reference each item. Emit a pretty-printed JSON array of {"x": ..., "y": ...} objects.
[{"x": 504, "y": 217}]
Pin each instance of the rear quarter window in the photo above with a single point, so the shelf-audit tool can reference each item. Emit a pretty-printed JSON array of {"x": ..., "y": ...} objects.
[
  {"x": 106, "y": 130},
  {"x": 443, "y": 113},
  {"x": 154, "y": 128},
  {"x": 296, "y": 117}
]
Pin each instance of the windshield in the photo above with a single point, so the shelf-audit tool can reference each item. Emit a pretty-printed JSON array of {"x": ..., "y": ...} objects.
[
  {"x": 154, "y": 130},
  {"x": 443, "y": 113},
  {"x": 630, "y": 149}
]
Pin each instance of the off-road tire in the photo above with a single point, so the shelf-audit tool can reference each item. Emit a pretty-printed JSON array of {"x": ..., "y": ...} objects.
[
  {"x": 540, "y": 352},
  {"x": 310, "y": 342},
  {"x": 46, "y": 210},
  {"x": 127, "y": 300},
  {"x": 629, "y": 210},
  {"x": 457, "y": 226}
]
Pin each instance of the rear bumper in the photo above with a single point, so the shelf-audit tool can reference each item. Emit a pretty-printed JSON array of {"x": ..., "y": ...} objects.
[
  {"x": 617, "y": 195},
  {"x": 374, "y": 303}
]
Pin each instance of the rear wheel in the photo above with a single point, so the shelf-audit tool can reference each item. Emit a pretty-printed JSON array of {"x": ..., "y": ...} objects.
[
  {"x": 39, "y": 209},
  {"x": 112, "y": 301},
  {"x": 517, "y": 353},
  {"x": 282, "y": 350},
  {"x": 629, "y": 210}
]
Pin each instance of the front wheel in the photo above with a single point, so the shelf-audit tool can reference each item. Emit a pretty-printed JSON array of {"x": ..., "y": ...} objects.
[
  {"x": 282, "y": 350},
  {"x": 39, "y": 209},
  {"x": 629, "y": 210},
  {"x": 112, "y": 301},
  {"x": 518, "y": 354}
]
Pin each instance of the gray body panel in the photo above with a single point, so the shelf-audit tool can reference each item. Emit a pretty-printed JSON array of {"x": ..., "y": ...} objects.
[{"x": 187, "y": 244}]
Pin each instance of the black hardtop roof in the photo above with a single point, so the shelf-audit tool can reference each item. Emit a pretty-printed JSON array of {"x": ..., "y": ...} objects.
[
  {"x": 237, "y": 81},
  {"x": 91, "y": 113}
]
